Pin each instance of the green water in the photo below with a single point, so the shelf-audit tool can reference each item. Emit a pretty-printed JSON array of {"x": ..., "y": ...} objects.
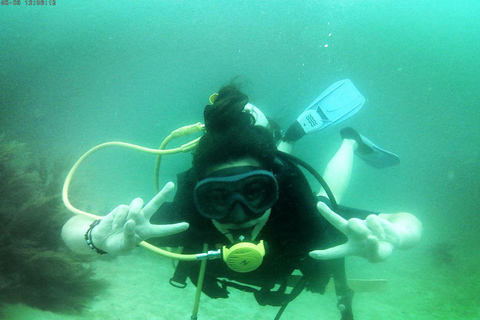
[{"x": 80, "y": 73}]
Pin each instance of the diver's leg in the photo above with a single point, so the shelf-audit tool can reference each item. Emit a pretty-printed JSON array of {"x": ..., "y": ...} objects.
[
  {"x": 339, "y": 170},
  {"x": 285, "y": 146}
]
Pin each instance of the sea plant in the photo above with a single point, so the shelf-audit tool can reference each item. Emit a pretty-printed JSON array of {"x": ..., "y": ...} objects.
[{"x": 36, "y": 268}]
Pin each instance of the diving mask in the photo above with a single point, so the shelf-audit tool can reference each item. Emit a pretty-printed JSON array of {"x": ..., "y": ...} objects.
[{"x": 254, "y": 188}]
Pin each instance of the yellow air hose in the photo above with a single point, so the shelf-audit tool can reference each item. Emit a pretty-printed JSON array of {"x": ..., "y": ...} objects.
[
  {"x": 183, "y": 131},
  {"x": 198, "y": 292},
  {"x": 180, "y": 132}
]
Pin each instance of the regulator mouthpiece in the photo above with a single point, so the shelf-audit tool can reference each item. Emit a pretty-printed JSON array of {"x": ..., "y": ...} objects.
[{"x": 244, "y": 256}]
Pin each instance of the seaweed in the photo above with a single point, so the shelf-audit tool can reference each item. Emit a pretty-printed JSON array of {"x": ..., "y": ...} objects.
[{"x": 36, "y": 268}]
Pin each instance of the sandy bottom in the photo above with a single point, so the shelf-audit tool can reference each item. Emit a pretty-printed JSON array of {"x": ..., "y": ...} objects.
[{"x": 139, "y": 290}]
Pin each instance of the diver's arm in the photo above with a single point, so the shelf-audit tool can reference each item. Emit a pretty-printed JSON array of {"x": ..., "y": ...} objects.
[
  {"x": 73, "y": 234},
  {"x": 123, "y": 228},
  {"x": 373, "y": 238}
]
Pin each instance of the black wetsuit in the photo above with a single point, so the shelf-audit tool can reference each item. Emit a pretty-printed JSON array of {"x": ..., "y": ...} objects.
[{"x": 294, "y": 228}]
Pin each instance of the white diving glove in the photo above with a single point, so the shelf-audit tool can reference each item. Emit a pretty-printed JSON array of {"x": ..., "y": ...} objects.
[
  {"x": 373, "y": 238},
  {"x": 126, "y": 226}
]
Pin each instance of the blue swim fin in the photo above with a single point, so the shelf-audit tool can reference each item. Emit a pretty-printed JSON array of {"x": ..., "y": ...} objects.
[
  {"x": 369, "y": 152},
  {"x": 338, "y": 102}
]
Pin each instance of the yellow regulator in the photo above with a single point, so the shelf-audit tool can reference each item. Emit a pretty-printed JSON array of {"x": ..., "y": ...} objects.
[{"x": 244, "y": 256}]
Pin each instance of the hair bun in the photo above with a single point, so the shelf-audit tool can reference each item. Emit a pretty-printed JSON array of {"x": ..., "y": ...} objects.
[{"x": 227, "y": 111}]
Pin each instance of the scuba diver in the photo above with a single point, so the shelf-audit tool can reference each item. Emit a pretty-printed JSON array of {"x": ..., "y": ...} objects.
[{"x": 246, "y": 196}]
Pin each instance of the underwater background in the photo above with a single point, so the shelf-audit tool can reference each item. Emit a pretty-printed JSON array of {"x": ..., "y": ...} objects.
[{"x": 75, "y": 74}]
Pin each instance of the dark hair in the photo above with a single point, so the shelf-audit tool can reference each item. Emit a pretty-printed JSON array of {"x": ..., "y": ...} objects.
[{"x": 231, "y": 134}]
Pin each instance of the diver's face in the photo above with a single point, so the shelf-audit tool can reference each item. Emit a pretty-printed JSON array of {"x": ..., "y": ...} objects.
[
  {"x": 241, "y": 224},
  {"x": 247, "y": 231}
]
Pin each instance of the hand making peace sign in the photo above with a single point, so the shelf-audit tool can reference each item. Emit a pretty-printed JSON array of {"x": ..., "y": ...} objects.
[
  {"x": 126, "y": 226},
  {"x": 373, "y": 238}
]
